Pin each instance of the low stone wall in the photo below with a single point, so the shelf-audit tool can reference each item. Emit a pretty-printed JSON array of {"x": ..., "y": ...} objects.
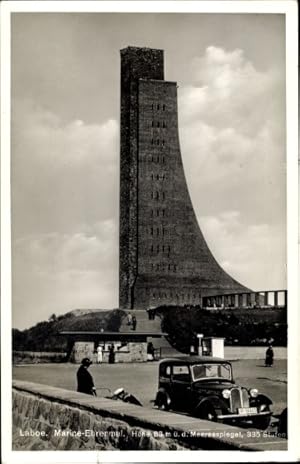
[
  {"x": 49, "y": 418},
  {"x": 49, "y": 421},
  {"x": 35, "y": 357}
]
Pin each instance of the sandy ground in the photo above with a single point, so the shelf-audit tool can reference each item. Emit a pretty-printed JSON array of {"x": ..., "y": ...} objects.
[{"x": 142, "y": 379}]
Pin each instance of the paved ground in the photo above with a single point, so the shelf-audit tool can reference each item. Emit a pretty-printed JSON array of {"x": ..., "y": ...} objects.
[{"x": 141, "y": 379}]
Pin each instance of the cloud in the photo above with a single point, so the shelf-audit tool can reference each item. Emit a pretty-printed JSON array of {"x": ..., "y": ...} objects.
[
  {"x": 240, "y": 248},
  {"x": 232, "y": 132},
  {"x": 59, "y": 272},
  {"x": 64, "y": 173}
]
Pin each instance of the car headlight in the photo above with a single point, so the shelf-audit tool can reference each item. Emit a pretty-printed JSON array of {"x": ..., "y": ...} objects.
[
  {"x": 253, "y": 392},
  {"x": 226, "y": 393}
]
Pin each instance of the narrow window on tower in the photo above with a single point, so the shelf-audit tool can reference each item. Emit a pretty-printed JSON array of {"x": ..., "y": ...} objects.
[
  {"x": 163, "y": 212},
  {"x": 152, "y": 106},
  {"x": 175, "y": 268},
  {"x": 151, "y": 248},
  {"x": 164, "y": 124},
  {"x": 169, "y": 267},
  {"x": 157, "y": 142},
  {"x": 152, "y": 141},
  {"x": 157, "y": 212},
  {"x": 157, "y": 248},
  {"x": 151, "y": 231},
  {"x": 157, "y": 231},
  {"x": 151, "y": 214},
  {"x": 151, "y": 195},
  {"x": 163, "y": 142},
  {"x": 158, "y": 107},
  {"x": 164, "y": 107},
  {"x": 157, "y": 195},
  {"x": 157, "y": 176},
  {"x": 152, "y": 123},
  {"x": 163, "y": 160},
  {"x": 163, "y": 195},
  {"x": 158, "y": 124},
  {"x": 163, "y": 231}
]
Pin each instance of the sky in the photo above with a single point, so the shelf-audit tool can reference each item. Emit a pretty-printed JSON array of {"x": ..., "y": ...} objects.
[{"x": 230, "y": 71}]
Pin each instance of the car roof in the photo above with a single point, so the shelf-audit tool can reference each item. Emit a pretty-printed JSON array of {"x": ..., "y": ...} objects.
[{"x": 193, "y": 360}]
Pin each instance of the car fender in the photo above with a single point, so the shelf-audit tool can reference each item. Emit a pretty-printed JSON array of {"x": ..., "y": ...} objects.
[
  {"x": 163, "y": 392},
  {"x": 263, "y": 399},
  {"x": 215, "y": 401}
]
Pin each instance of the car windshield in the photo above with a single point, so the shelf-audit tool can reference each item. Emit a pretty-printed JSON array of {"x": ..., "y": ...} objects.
[{"x": 205, "y": 371}]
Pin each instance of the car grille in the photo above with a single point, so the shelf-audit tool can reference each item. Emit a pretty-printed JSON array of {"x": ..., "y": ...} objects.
[{"x": 238, "y": 399}]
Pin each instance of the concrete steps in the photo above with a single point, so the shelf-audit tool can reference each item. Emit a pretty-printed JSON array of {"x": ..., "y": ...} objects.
[
  {"x": 143, "y": 322},
  {"x": 144, "y": 325}
]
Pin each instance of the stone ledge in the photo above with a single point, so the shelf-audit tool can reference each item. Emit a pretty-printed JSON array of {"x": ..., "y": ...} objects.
[{"x": 155, "y": 420}]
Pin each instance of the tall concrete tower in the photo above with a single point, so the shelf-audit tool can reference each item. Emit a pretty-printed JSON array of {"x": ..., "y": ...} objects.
[{"x": 164, "y": 258}]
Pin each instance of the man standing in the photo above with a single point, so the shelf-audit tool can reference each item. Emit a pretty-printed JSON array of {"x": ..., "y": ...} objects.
[
  {"x": 269, "y": 356},
  {"x": 85, "y": 382},
  {"x": 99, "y": 354}
]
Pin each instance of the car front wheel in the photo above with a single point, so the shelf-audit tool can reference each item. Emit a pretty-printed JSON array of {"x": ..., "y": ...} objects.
[
  {"x": 207, "y": 413},
  {"x": 262, "y": 422}
]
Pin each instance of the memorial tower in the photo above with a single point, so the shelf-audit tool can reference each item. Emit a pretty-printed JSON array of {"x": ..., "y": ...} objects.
[{"x": 164, "y": 258}]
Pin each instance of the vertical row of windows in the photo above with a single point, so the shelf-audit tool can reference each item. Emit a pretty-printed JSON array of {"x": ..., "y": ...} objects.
[
  {"x": 163, "y": 267},
  {"x": 159, "y": 124},
  {"x": 159, "y": 231},
  {"x": 158, "y": 107},
  {"x": 158, "y": 176},
  {"x": 157, "y": 142},
  {"x": 157, "y": 159},
  {"x": 159, "y": 212},
  {"x": 161, "y": 248},
  {"x": 158, "y": 195}
]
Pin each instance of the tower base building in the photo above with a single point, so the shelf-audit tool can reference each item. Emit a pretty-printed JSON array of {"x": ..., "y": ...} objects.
[{"x": 164, "y": 258}]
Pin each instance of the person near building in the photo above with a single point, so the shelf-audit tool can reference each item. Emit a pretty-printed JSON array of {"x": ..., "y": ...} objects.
[
  {"x": 134, "y": 322},
  {"x": 150, "y": 351},
  {"x": 99, "y": 354},
  {"x": 129, "y": 319},
  {"x": 269, "y": 356},
  {"x": 85, "y": 382},
  {"x": 111, "y": 356}
]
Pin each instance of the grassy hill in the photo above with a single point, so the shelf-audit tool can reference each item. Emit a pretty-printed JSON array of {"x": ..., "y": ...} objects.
[{"x": 44, "y": 336}]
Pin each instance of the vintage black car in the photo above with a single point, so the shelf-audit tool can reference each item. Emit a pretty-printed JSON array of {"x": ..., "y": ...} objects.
[{"x": 204, "y": 387}]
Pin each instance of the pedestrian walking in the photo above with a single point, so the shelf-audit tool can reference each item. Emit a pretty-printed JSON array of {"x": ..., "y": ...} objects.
[
  {"x": 85, "y": 382},
  {"x": 134, "y": 323},
  {"x": 111, "y": 356},
  {"x": 129, "y": 319},
  {"x": 99, "y": 354},
  {"x": 269, "y": 357}
]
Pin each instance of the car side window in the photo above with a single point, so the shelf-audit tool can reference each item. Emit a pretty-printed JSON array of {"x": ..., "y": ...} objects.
[
  {"x": 165, "y": 371},
  {"x": 181, "y": 373}
]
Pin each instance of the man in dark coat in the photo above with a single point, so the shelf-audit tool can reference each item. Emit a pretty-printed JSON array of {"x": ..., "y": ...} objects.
[
  {"x": 269, "y": 357},
  {"x": 85, "y": 382}
]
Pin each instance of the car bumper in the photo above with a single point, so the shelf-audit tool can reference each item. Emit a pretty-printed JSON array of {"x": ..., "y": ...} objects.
[{"x": 243, "y": 416}]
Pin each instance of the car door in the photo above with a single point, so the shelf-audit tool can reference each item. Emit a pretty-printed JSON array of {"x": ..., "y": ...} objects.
[{"x": 181, "y": 387}]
